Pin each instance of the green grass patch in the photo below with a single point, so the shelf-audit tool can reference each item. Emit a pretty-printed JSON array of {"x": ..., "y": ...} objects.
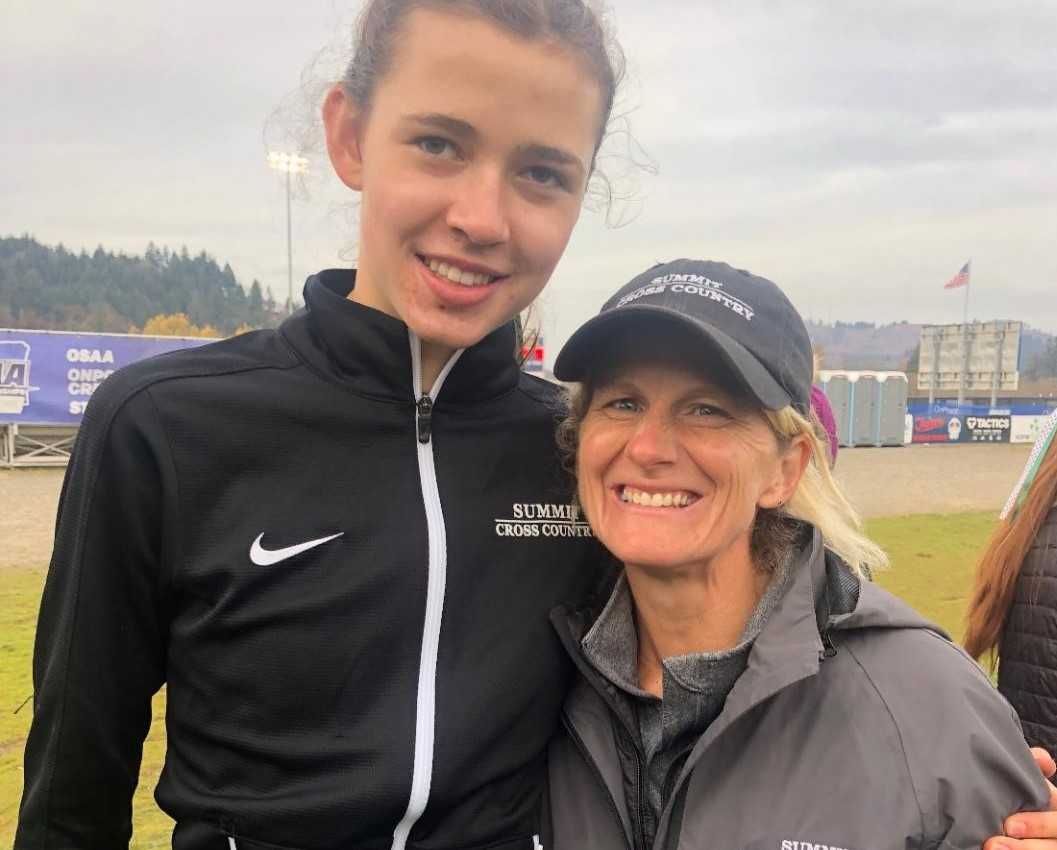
[
  {"x": 933, "y": 560},
  {"x": 932, "y": 564},
  {"x": 19, "y": 602}
]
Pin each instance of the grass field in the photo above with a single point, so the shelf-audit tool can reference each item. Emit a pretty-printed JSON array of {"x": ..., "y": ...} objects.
[
  {"x": 932, "y": 559},
  {"x": 19, "y": 600}
]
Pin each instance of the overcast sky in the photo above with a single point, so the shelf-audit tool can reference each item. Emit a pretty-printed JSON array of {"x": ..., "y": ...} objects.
[{"x": 858, "y": 153}]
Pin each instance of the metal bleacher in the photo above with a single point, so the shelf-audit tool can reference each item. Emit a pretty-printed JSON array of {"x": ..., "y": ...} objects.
[{"x": 36, "y": 445}]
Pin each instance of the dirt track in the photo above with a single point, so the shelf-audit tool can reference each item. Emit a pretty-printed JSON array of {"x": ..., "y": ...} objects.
[
  {"x": 927, "y": 479},
  {"x": 28, "y": 499},
  {"x": 879, "y": 482}
]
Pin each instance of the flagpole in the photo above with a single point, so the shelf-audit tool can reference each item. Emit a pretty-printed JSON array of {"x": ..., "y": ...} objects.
[{"x": 965, "y": 340}]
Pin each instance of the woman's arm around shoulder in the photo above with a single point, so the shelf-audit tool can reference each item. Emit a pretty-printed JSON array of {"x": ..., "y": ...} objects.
[{"x": 1032, "y": 830}]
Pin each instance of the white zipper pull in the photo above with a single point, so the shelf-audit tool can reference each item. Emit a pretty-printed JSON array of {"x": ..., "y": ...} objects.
[
  {"x": 536, "y": 843},
  {"x": 231, "y": 843}
]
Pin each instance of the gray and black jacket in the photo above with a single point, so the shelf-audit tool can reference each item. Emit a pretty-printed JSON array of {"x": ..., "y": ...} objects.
[{"x": 857, "y": 725}]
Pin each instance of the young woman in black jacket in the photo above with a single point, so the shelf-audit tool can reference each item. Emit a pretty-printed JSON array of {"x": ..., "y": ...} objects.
[{"x": 338, "y": 542}]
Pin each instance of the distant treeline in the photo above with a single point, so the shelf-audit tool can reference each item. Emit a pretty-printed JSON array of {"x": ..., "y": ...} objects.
[{"x": 55, "y": 289}]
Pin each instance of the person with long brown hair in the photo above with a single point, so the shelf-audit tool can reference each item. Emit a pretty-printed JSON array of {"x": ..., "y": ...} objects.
[{"x": 1013, "y": 612}]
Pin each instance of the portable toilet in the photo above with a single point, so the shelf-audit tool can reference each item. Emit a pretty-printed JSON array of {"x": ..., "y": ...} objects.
[
  {"x": 864, "y": 410},
  {"x": 838, "y": 389},
  {"x": 892, "y": 409},
  {"x": 869, "y": 407}
]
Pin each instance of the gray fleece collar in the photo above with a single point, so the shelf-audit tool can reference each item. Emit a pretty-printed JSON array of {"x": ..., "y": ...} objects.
[{"x": 612, "y": 648}]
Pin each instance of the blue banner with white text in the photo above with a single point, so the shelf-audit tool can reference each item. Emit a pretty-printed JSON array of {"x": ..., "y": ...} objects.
[{"x": 47, "y": 377}]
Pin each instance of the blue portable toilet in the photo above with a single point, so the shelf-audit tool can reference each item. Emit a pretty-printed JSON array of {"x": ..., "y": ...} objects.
[{"x": 869, "y": 407}]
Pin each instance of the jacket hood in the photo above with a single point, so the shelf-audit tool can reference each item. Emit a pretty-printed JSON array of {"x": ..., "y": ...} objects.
[
  {"x": 879, "y": 609},
  {"x": 370, "y": 352},
  {"x": 825, "y": 590}
]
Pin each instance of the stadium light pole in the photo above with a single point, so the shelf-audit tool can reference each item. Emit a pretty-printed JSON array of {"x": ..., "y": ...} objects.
[{"x": 289, "y": 163}]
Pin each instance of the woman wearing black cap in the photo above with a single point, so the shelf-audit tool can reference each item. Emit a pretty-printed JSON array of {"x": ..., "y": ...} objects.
[{"x": 742, "y": 687}]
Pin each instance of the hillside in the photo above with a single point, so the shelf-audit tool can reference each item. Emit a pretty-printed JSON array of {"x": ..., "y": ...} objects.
[
  {"x": 865, "y": 345},
  {"x": 55, "y": 289}
]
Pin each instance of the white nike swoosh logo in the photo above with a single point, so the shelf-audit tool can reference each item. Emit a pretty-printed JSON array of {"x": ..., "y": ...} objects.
[{"x": 266, "y": 557}]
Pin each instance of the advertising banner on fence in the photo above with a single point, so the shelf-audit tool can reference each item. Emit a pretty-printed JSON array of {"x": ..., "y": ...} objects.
[
  {"x": 986, "y": 429},
  {"x": 949, "y": 428},
  {"x": 1026, "y": 429},
  {"x": 941, "y": 428},
  {"x": 47, "y": 377}
]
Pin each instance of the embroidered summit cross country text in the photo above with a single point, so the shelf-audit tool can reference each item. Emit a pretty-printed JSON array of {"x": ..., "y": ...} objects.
[{"x": 542, "y": 519}]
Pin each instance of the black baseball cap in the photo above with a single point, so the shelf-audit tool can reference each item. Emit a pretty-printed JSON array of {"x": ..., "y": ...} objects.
[{"x": 745, "y": 319}]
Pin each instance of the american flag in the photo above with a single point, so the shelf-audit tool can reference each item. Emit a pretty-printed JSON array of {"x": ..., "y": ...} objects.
[{"x": 960, "y": 279}]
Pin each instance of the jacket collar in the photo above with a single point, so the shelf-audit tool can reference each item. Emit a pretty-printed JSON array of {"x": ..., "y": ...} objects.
[
  {"x": 787, "y": 650},
  {"x": 790, "y": 635},
  {"x": 790, "y": 645},
  {"x": 370, "y": 352}
]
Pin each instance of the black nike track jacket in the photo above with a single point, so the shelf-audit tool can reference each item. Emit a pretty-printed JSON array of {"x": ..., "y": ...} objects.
[{"x": 344, "y": 583}]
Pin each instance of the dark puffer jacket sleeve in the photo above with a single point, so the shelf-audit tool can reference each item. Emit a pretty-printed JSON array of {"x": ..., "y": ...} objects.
[{"x": 1027, "y": 672}]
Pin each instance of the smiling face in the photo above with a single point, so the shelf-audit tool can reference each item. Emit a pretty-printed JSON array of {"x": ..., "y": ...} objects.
[
  {"x": 472, "y": 163},
  {"x": 672, "y": 466}
]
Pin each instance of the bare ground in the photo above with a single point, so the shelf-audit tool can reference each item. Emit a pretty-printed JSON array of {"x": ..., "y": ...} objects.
[
  {"x": 879, "y": 482},
  {"x": 926, "y": 479},
  {"x": 28, "y": 500}
]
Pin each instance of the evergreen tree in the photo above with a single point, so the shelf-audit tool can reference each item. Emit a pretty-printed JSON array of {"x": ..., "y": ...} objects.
[
  {"x": 54, "y": 289},
  {"x": 255, "y": 312}
]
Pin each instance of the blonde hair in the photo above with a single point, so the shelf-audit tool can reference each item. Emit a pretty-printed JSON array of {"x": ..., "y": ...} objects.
[{"x": 818, "y": 499}]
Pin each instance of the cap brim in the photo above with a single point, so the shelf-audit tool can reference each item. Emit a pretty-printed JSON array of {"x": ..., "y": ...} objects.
[{"x": 577, "y": 358}]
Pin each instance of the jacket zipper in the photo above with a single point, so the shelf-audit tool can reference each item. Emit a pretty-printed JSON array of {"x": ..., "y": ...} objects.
[
  {"x": 424, "y": 420},
  {"x": 828, "y": 649},
  {"x": 597, "y": 772},
  {"x": 426, "y": 699},
  {"x": 641, "y": 799}
]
